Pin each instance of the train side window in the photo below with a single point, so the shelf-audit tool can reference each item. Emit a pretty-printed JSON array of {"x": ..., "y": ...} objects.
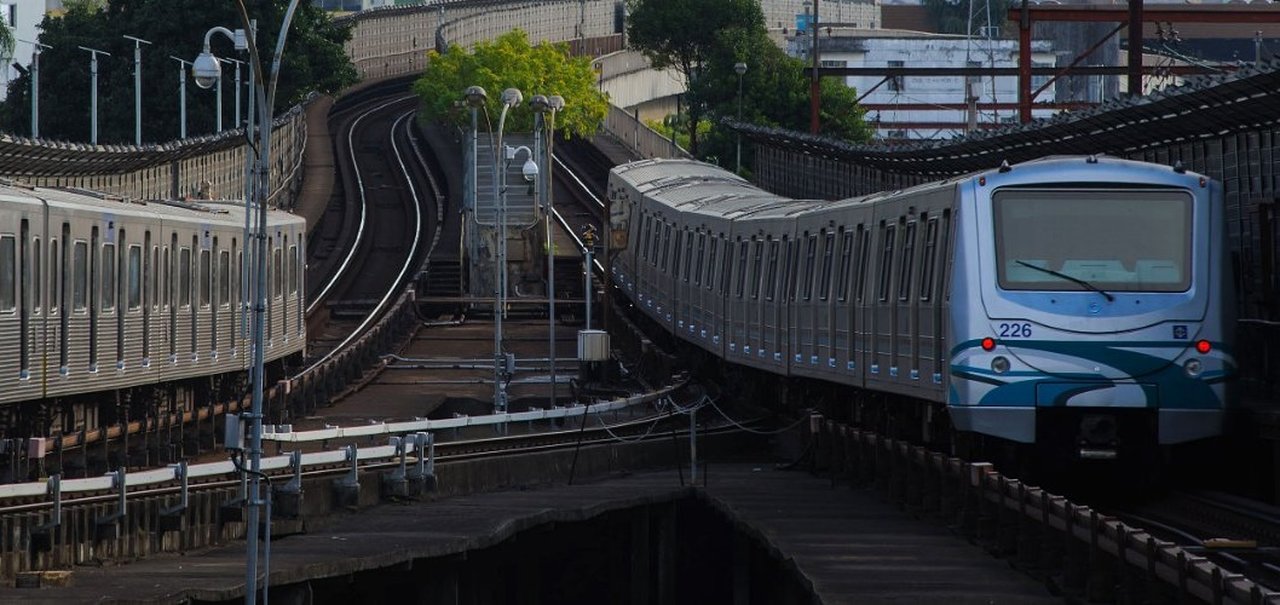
[
  {"x": 135, "y": 278},
  {"x": 771, "y": 272},
  {"x": 828, "y": 250},
  {"x": 927, "y": 262},
  {"x": 295, "y": 277},
  {"x": 908, "y": 253},
  {"x": 37, "y": 276},
  {"x": 842, "y": 273},
  {"x": 80, "y": 279},
  {"x": 666, "y": 245},
  {"x": 742, "y": 266},
  {"x": 887, "y": 235},
  {"x": 688, "y": 254},
  {"x": 276, "y": 275},
  {"x": 204, "y": 278},
  {"x": 108, "y": 277},
  {"x": 946, "y": 247},
  {"x": 864, "y": 258},
  {"x": 656, "y": 243},
  {"x": 168, "y": 278},
  {"x": 711, "y": 262},
  {"x": 756, "y": 267},
  {"x": 224, "y": 278},
  {"x": 184, "y": 277},
  {"x": 153, "y": 279},
  {"x": 726, "y": 267},
  {"x": 55, "y": 276},
  {"x": 8, "y": 277},
  {"x": 644, "y": 237},
  {"x": 793, "y": 268},
  {"x": 810, "y": 255},
  {"x": 675, "y": 257},
  {"x": 702, "y": 258}
]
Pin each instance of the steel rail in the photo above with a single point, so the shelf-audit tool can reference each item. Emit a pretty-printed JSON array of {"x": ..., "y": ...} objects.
[
  {"x": 409, "y": 257},
  {"x": 364, "y": 205}
]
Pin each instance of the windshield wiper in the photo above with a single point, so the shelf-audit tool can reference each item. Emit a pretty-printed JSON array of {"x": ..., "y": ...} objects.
[{"x": 1086, "y": 285}]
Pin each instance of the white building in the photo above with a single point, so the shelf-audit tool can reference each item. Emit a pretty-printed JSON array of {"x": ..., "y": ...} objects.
[
  {"x": 23, "y": 17},
  {"x": 930, "y": 106}
]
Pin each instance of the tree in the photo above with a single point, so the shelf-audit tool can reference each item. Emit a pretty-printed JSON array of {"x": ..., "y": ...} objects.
[
  {"x": 314, "y": 59},
  {"x": 511, "y": 62},
  {"x": 684, "y": 33},
  {"x": 775, "y": 92}
]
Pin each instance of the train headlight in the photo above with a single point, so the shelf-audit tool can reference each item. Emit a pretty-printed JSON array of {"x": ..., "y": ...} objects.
[
  {"x": 1000, "y": 364},
  {"x": 1193, "y": 367}
]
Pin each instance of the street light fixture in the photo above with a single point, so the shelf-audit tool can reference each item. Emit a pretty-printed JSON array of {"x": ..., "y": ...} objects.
[
  {"x": 475, "y": 98},
  {"x": 543, "y": 105},
  {"x": 137, "y": 87},
  {"x": 264, "y": 93},
  {"x": 182, "y": 95},
  {"x": 35, "y": 86},
  {"x": 511, "y": 97},
  {"x": 740, "y": 68},
  {"x": 93, "y": 94}
]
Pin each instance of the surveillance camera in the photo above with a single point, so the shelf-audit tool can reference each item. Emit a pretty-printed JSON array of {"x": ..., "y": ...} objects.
[
  {"x": 206, "y": 70},
  {"x": 530, "y": 170}
]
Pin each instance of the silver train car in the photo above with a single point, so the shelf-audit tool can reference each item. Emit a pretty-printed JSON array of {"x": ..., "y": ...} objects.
[
  {"x": 98, "y": 294},
  {"x": 1080, "y": 302}
]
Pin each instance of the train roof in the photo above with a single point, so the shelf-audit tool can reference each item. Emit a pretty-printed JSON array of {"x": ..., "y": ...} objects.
[{"x": 202, "y": 211}]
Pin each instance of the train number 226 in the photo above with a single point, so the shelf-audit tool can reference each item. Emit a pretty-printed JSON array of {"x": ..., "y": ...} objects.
[{"x": 1015, "y": 330}]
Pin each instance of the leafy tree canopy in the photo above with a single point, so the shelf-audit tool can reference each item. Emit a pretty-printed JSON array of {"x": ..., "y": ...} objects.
[
  {"x": 684, "y": 33},
  {"x": 314, "y": 60},
  {"x": 952, "y": 16},
  {"x": 511, "y": 62}
]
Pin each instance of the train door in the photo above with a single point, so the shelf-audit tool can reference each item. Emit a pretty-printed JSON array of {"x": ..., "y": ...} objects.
[
  {"x": 680, "y": 280},
  {"x": 187, "y": 280},
  {"x": 209, "y": 290},
  {"x": 905, "y": 368},
  {"x": 698, "y": 311},
  {"x": 822, "y": 300},
  {"x": 883, "y": 315},
  {"x": 755, "y": 313},
  {"x": 932, "y": 297},
  {"x": 715, "y": 322},
  {"x": 773, "y": 325},
  {"x": 841, "y": 316},
  {"x": 150, "y": 254},
  {"x": 123, "y": 288},
  {"x": 15, "y": 281}
]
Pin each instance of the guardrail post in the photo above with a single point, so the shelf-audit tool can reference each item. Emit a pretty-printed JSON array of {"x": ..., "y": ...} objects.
[
  {"x": 395, "y": 483},
  {"x": 171, "y": 517},
  {"x": 1102, "y": 580},
  {"x": 1075, "y": 557},
  {"x": 424, "y": 443},
  {"x": 346, "y": 490},
  {"x": 108, "y": 527},
  {"x": 287, "y": 499},
  {"x": 43, "y": 536}
]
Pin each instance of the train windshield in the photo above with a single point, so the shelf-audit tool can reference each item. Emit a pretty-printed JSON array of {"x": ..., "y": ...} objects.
[{"x": 1130, "y": 240}]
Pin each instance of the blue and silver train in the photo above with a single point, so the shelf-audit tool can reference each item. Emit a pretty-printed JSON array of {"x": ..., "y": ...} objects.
[{"x": 1074, "y": 302}]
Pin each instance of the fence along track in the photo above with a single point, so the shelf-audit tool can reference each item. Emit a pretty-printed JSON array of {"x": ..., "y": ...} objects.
[{"x": 1080, "y": 553}]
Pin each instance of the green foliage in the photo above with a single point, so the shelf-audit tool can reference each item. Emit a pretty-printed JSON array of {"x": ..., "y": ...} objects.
[
  {"x": 684, "y": 33},
  {"x": 314, "y": 59},
  {"x": 775, "y": 92},
  {"x": 676, "y": 130},
  {"x": 511, "y": 62}
]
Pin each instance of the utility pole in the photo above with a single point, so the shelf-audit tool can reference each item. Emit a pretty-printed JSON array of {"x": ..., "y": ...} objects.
[
  {"x": 814, "y": 88},
  {"x": 137, "y": 87}
]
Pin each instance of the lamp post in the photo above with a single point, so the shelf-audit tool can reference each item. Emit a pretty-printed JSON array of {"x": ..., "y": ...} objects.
[
  {"x": 542, "y": 106},
  {"x": 740, "y": 68},
  {"x": 511, "y": 97},
  {"x": 137, "y": 87},
  {"x": 35, "y": 86},
  {"x": 182, "y": 96},
  {"x": 206, "y": 72},
  {"x": 93, "y": 94},
  {"x": 475, "y": 98}
]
